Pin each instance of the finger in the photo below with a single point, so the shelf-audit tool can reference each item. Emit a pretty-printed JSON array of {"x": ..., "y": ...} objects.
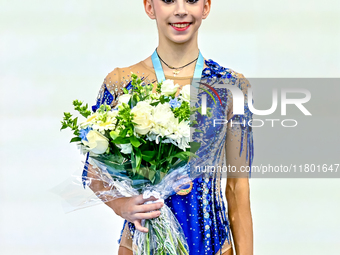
[
  {"x": 147, "y": 216},
  {"x": 148, "y": 207},
  {"x": 139, "y": 227},
  {"x": 140, "y": 200},
  {"x": 149, "y": 199}
]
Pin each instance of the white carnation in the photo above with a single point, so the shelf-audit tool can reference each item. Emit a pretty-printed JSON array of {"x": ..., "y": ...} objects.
[
  {"x": 89, "y": 121},
  {"x": 163, "y": 116},
  {"x": 181, "y": 135}
]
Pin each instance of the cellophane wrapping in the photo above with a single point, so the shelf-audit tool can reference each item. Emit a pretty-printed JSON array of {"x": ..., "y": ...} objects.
[
  {"x": 142, "y": 146},
  {"x": 165, "y": 235}
]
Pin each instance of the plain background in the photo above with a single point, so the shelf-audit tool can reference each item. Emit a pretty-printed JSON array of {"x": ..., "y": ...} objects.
[{"x": 52, "y": 52}]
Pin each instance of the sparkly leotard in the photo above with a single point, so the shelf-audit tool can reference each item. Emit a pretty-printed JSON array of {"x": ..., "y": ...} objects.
[{"x": 201, "y": 213}]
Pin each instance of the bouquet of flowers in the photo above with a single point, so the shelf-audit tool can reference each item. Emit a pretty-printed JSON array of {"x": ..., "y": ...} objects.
[{"x": 142, "y": 146}]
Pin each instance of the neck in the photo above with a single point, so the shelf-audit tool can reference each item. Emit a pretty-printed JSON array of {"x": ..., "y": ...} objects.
[{"x": 178, "y": 54}]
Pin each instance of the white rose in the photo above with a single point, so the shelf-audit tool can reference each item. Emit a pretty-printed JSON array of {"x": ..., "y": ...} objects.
[
  {"x": 185, "y": 93},
  {"x": 143, "y": 117},
  {"x": 168, "y": 88},
  {"x": 125, "y": 148},
  {"x": 97, "y": 143},
  {"x": 124, "y": 98}
]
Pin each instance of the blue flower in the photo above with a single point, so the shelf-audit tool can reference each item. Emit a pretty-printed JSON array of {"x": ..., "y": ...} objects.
[
  {"x": 174, "y": 103},
  {"x": 84, "y": 132}
]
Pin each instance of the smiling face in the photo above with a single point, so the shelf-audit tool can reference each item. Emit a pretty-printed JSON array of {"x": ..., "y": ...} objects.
[{"x": 177, "y": 20}]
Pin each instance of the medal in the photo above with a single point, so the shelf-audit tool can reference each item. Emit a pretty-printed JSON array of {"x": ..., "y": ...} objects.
[{"x": 186, "y": 187}]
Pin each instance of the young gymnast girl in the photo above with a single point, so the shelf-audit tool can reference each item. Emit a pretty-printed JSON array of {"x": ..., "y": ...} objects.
[{"x": 207, "y": 224}]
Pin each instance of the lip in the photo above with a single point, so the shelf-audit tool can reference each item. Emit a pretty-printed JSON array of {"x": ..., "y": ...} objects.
[{"x": 180, "y": 28}]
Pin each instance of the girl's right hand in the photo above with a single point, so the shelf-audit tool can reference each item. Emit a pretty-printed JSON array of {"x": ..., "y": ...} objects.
[{"x": 134, "y": 210}]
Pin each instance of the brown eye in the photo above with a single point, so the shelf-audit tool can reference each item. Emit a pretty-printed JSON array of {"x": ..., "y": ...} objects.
[
  {"x": 168, "y": 1},
  {"x": 192, "y": 1}
]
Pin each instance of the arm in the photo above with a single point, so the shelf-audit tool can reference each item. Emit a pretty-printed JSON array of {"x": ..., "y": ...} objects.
[
  {"x": 237, "y": 194},
  {"x": 130, "y": 208},
  {"x": 237, "y": 188}
]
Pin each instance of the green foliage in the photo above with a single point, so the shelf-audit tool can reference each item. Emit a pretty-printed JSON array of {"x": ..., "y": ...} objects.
[
  {"x": 182, "y": 112},
  {"x": 115, "y": 155},
  {"x": 140, "y": 90},
  {"x": 72, "y": 123},
  {"x": 83, "y": 110},
  {"x": 125, "y": 119},
  {"x": 68, "y": 122},
  {"x": 164, "y": 99},
  {"x": 148, "y": 162},
  {"x": 159, "y": 85},
  {"x": 121, "y": 140},
  {"x": 75, "y": 139},
  {"x": 134, "y": 141},
  {"x": 148, "y": 156},
  {"x": 114, "y": 134}
]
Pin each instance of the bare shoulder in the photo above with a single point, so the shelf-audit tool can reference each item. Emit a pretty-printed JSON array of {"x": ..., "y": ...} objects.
[{"x": 148, "y": 62}]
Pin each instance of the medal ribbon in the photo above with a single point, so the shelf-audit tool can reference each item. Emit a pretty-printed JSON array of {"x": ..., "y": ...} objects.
[
  {"x": 160, "y": 73},
  {"x": 195, "y": 83}
]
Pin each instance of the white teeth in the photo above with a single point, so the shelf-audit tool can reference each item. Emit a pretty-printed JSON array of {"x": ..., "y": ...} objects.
[{"x": 180, "y": 25}]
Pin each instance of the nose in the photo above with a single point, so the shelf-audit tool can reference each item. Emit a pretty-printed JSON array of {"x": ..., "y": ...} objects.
[{"x": 180, "y": 9}]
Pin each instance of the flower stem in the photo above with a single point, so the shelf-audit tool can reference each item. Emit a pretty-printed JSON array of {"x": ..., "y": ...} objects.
[
  {"x": 181, "y": 246},
  {"x": 147, "y": 238},
  {"x": 173, "y": 248}
]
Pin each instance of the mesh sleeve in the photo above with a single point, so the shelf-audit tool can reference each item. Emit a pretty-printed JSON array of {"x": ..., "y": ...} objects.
[
  {"x": 239, "y": 141},
  {"x": 108, "y": 94},
  {"x": 109, "y": 91}
]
